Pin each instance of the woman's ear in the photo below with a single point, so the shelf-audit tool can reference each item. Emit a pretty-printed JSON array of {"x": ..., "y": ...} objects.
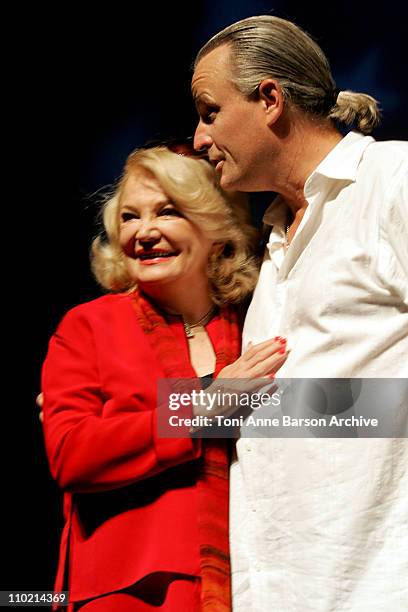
[{"x": 216, "y": 250}]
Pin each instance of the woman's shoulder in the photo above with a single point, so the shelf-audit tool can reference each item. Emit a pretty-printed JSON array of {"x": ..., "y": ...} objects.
[{"x": 102, "y": 309}]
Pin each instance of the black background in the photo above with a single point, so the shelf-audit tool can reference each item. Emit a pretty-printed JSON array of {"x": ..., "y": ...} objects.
[{"x": 84, "y": 89}]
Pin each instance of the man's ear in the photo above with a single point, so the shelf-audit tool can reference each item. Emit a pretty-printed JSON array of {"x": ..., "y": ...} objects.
[{"x": 271, "y": 94}]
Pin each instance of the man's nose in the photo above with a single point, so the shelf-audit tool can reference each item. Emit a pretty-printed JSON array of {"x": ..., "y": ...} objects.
[{"x": 202, "y": 140}]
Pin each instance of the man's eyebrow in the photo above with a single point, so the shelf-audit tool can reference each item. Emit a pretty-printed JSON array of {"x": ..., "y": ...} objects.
[
  {"x": 202, "y": 99},
  {"x": 197, "y": 94},
  {"x": 197, "y": 97}
]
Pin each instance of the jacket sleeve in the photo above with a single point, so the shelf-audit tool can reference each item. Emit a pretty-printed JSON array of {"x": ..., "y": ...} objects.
[{"x": 88, "y": 451}]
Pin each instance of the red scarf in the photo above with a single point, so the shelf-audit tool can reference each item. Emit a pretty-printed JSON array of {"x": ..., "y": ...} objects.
[{"x": 213, "y": 477}]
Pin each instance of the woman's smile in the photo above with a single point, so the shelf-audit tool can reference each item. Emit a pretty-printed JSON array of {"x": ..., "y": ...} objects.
[{"x": 154, "y": 256}]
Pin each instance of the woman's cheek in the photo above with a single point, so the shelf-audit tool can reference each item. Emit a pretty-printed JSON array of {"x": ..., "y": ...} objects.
[{"x": 127, "y": 242}]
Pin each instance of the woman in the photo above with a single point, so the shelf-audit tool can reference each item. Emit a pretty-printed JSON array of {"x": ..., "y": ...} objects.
[{"x": 146, "y": 517}]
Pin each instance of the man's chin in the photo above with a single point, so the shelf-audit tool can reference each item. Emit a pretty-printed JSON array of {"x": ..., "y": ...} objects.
[{"x": 227, "y": 182}]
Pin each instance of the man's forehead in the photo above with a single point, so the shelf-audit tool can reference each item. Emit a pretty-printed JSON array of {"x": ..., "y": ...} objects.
[{"x": 210, "y": 70}]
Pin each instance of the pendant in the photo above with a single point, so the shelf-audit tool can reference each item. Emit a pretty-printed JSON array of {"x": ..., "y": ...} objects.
[{"x": 188, "y": 330}]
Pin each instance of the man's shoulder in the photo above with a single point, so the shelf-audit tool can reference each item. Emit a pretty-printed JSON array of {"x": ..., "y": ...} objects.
[
  {"x": 388, "y": 151},
  {"x": 385, "y": 161}
]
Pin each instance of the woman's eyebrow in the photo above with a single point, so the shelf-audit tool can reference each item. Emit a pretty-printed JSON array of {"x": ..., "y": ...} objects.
[{"x": 134, "y": 205}]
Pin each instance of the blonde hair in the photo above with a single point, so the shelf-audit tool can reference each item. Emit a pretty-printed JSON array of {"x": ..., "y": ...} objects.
[
  {"x": 191, "y": 184},
  {"x": 266, "y": 46}
]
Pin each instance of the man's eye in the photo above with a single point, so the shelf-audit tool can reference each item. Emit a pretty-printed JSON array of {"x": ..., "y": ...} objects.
[
  {"x": 128, "y": 216},
  {"x": 209, "y": 114}
]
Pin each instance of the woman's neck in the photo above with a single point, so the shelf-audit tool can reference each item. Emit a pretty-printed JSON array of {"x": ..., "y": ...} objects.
[{"x": 192, "y": 303}]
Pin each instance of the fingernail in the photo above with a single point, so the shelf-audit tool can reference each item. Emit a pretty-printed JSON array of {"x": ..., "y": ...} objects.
[
  {"x": 272, "y": 375},
  {"x": 282, "y": 340},
  {"x": 277, "y": 338},
  {"x": 282, "y": 351}
]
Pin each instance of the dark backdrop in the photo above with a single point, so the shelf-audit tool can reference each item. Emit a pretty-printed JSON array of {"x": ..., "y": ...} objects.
[{"x": 86, "y": 89}]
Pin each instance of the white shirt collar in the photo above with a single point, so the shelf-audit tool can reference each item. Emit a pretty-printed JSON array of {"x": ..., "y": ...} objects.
[
  {"x": 340, "y": 164},
  {"x": 344, "y": 159}
]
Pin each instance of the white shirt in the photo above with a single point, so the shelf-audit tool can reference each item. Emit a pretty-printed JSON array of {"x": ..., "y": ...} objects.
[{"x": 322, "y": 524}]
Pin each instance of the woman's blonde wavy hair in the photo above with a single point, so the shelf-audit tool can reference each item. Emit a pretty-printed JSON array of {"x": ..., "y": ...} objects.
[{"x": 191, "y": 184}]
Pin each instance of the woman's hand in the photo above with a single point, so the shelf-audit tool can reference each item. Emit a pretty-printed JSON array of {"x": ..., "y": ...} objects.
[
  {"x": 246, "y": 375},
  {"x": 259, "y": 360},
  {"x": 40, "y": 401}
]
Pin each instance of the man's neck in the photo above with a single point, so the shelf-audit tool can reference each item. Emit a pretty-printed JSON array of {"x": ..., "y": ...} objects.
[{"x": 309, "y": 144}]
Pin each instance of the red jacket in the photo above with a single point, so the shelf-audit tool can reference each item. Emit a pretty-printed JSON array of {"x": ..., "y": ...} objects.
[{"x": 130, "y": 505}]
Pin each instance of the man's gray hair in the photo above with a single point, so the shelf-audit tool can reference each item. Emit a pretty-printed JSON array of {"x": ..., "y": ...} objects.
[{"x": 266, "y": 46}]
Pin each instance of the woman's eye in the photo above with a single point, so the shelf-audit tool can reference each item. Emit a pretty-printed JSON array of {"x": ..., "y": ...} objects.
[
  {"x": 170, "y": 212},
  {"x": 127, "y": 216}
]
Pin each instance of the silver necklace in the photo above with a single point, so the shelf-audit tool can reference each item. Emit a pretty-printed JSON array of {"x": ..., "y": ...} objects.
[
  {"x": 203, "y": 321},
  {"x": 287, "y": 243}
]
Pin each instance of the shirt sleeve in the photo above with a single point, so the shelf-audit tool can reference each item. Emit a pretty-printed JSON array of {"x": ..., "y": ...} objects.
[
  {"x": 89, "y": 450},
  {"x": 394, "y": 235}
]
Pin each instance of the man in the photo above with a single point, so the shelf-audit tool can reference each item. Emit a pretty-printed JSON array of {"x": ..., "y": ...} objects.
[{"x": 316, "y": 524}]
